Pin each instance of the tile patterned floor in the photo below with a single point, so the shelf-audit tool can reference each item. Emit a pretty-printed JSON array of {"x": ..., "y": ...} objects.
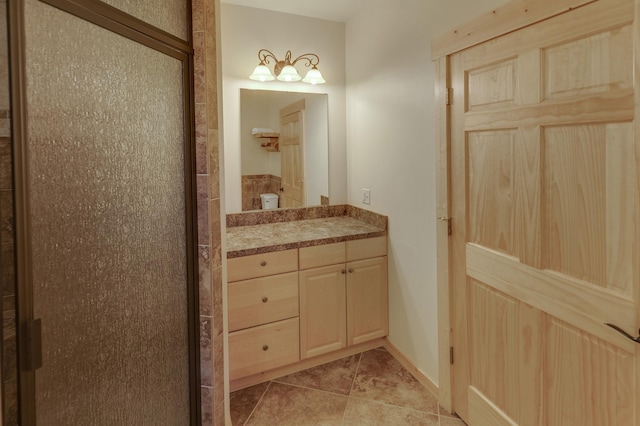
[{"x": 370, "y": 388}]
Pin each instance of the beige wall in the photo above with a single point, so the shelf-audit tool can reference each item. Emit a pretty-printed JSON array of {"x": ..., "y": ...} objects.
[{"x": 391, "y": 151}]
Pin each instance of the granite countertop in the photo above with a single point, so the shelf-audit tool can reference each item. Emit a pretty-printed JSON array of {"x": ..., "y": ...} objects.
[{"x": 268, "y": 237}]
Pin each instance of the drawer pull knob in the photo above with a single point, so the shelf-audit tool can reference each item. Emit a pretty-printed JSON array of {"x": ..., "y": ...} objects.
[
  {"x": 265, "y": 348},
  {"x": 263, "y": 263},
  {"x": 351, "y": 270},
  {"x": 344, "y": 271},
  {"x": 265, "y": 299}
]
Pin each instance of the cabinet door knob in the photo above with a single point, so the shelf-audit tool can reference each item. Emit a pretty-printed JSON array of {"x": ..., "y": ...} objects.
[
  {"x": 351, "y": 270},
  {"x": 265, "y": 299},
  {"x": 265, "y": 348},
  {"x": 263, "y": 263},
  {"x": 344, "y": 271}
]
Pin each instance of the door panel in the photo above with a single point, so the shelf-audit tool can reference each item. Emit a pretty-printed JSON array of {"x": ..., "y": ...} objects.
[
  {"x": 589, "y": 173},
  {"x": 491, "y": 189},
  {"x": 544, "y": 188},
  {"x": 599, "y": 63},
  {"x": 592, "y": 385},
  {"x": 507, "y": 351},
  {"x": 292, "y": 152},
  {"x": 108, "y": 223}
]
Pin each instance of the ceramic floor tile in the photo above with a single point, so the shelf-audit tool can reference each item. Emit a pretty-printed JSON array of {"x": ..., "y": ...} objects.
[
  {"x": 285, "y": 405},
  {"x": 336, "y": 376},
  {"x": 361, "y": 412},
  {"x": 243, "y": 402},
  {"x": 381, "y": 378}
]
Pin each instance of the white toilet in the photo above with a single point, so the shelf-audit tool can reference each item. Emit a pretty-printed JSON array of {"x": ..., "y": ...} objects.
[{"x": 269, "y": 201}]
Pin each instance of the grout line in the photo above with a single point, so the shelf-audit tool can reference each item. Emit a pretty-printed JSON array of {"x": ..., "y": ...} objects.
[
  {"x": 344, "y": 412},
  {"x": 356, "y": 373},
  {"x": 257, "y": 403},
  {"x": 387, "y": 404},
  {"x": 308, "y": 388}
]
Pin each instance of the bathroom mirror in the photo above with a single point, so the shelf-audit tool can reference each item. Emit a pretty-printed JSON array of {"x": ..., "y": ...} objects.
[{"x": 299, "y": 147}]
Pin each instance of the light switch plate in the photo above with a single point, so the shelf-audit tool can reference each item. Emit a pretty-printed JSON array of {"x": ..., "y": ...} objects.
[{"x": 366, "y": 196}]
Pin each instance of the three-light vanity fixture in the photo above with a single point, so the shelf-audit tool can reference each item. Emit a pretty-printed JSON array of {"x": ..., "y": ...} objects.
[{"x": 285, "y": 70}]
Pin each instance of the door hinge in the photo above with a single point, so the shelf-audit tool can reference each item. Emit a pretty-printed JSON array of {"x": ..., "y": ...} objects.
[
  {"x": 33, "y": 333},
  {"x": 448, "y": 220},
  {"x": 448, "y": 96},
  {"x": 451, "y": 355}
]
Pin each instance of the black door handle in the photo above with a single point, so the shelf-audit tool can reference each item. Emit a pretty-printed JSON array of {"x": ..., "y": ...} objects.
[{"x": 624, "y": 333}]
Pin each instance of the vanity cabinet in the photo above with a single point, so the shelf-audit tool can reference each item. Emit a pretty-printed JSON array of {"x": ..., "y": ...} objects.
[
  {"x": 296, "y": 304},
  {"x": 264, "y": 330},
  {"x": 346, "y": 302}
]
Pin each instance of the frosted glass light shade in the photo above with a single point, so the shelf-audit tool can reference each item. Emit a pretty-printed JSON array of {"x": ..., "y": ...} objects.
[
  {"x": 262, "y": 73},
  {"x": 289, "y": 73},
  {"x": 314, "y": 77}
]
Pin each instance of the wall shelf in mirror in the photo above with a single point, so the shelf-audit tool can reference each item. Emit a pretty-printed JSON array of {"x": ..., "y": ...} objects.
[{"x": 270, "y": 141}]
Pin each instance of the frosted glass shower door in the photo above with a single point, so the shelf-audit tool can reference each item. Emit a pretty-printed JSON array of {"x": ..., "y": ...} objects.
[{"x": 111, "y": 237}]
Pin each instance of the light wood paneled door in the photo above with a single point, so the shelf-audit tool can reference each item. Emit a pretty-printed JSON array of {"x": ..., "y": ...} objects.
[
  {"x": 545, "y": 207},
  {"x": 292, "y": 154}
]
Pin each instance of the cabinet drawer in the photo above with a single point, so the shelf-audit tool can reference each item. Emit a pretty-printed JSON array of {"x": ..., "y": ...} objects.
[
  {"x": 323, "y": 255},
  {"x": 262, "y": 300},
  {"x": 261, "y": 265},
  {"x": 366, "y": 248},
  {"x": 262, "y": 348}
]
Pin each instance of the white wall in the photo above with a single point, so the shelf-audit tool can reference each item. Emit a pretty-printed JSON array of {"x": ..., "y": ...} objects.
[
  {"x": 244, "y": 31},
  {"x": 316, "y": 156},
  {"x": 255, "y": 112},
  {"x": 391, "y": 151}
]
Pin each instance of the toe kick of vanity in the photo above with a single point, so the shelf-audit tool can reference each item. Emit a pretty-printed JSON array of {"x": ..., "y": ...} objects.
[{"x": 294, "y": 308}]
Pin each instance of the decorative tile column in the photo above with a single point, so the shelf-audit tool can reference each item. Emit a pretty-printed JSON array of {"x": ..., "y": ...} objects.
[{"x": 209, "y": 214}]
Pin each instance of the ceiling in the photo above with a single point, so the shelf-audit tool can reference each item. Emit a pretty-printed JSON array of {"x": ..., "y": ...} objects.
[{"x": 332, "y": 10}]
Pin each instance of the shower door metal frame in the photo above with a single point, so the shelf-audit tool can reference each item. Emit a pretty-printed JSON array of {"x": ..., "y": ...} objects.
[{"x": 119, "y": 22}]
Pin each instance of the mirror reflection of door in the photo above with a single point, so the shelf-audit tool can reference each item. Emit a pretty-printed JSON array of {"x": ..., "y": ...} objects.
[
  {"x": 259, "y": 170},
  {"x": 292, "y": 191}
]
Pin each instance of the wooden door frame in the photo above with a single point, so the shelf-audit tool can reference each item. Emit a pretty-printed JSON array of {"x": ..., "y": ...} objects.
[{"x": 504, "y": 19}]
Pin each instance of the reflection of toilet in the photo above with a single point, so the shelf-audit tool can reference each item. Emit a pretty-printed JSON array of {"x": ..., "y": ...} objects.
[{"x": 269, "y": 201}]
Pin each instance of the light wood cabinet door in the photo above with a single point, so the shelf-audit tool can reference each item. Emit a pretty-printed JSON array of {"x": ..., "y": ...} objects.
[
  {"x": 322, "y": 310},
  {"x": 367, "y": 300}
]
